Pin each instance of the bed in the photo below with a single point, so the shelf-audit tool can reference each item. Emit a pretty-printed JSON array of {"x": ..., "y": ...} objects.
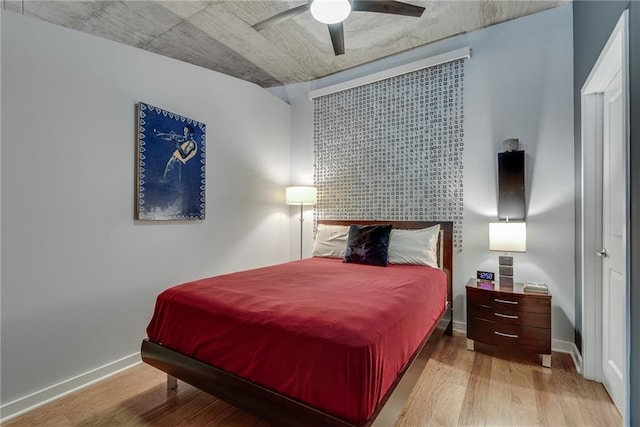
[{"x": 314, "y": 342}]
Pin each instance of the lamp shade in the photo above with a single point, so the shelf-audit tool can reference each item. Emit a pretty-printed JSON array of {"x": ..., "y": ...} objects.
[
  {"x": 301, "y": 195},
  {"x": 508, "y": 236},
  {"x": 330, "y": 11}
]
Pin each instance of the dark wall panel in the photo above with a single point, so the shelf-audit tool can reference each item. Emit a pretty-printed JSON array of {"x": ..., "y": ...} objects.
[{"x": 511, "y": 202}]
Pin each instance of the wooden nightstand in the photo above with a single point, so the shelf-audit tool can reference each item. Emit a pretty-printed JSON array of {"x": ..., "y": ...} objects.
[{"x": 509, "y": 317}]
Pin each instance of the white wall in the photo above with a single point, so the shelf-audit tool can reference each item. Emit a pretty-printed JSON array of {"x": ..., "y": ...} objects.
[
  {"x": 301, "y": 168},
  {"x": 80, "y": 276},
  {"x": 518, "y": 84}
]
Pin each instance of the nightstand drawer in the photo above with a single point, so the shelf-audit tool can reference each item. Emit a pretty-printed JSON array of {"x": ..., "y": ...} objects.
[
  {"x": 509, "y": 301},
  {"x": 509, "y": 316},
  {"x": 535, "y": 340}
]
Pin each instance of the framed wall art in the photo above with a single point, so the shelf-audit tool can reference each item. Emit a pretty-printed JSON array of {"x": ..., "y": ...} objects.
[{"x": 170, "y": 166}]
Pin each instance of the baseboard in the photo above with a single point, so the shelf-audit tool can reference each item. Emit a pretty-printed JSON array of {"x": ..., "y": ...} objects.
[
  {"x": 562, "y": 346},
  {"x": 27, "y": 403},
  {"x": 460, "y": 327},
  {"x": 556, "y": 345},
  {"x": 577, "y": 358}
]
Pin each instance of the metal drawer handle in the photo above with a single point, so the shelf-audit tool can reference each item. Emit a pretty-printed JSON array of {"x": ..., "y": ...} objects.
[
  {"x": 505, "y": 301},
  {"x": 508, "y": 316},
  {"x": 502, "y": 334}
]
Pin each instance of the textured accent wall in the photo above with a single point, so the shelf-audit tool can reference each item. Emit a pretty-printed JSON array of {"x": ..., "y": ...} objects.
[{"x": 393, "y": 149}]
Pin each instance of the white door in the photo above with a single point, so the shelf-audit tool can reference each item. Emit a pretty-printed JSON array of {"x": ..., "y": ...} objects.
[{"x": 613, "y": 241}]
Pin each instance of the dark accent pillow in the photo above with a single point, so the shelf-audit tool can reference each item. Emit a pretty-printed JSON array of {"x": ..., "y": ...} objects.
[{"x": 368, "y": 244}]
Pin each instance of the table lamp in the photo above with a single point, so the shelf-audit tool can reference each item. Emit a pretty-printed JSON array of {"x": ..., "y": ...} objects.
[{"x": 507, "y": 237}]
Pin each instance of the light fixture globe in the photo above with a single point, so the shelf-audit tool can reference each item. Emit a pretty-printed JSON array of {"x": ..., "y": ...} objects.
[{"x": 330, "y": 11}]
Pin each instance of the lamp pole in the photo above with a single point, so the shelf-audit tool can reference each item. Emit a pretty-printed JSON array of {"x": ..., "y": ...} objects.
[
  {"x": 301, "y": 195},
  {"x": 301, "y": 221}
]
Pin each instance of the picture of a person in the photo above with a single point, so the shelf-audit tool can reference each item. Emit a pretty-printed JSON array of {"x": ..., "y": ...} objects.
[
  {"x": 186, "y": 149},
  {"x": 171, "y": 165}
]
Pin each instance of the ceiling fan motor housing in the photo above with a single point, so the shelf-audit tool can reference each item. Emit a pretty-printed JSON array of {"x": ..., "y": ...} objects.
[{"x": 334, "y": 12}]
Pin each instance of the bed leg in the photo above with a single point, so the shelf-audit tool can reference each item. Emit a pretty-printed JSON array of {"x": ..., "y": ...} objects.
[
  {"x": 172, "y": 382},
  {"x": 449, "y": 330}
]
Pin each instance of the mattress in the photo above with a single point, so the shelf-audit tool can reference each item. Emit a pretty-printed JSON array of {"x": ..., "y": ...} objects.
[{"x": 333, "y": 335}]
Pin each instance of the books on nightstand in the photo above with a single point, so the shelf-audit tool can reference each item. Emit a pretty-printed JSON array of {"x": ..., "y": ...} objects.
[{"x": 537, "y": 287}]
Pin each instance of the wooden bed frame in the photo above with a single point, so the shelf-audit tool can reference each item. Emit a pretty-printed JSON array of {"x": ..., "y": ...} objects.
[{"x": 283, "y": 411}]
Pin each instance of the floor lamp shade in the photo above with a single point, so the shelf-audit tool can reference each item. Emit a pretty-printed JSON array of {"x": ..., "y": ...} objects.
[{"x": 301, "y": 195}]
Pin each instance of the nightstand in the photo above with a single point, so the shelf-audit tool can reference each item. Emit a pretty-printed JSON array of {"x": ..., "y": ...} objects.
[{"x": 509, "y": 317}]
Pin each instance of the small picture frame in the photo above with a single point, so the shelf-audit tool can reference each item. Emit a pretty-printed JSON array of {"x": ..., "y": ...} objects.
[{"x": 486, "y": 285}]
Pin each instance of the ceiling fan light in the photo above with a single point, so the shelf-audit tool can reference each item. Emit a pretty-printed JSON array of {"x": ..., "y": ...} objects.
[{"x": 330, "y": 11}]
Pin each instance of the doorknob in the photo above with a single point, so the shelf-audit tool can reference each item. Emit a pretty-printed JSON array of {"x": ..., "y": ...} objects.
[{"x": 603, "y": 253}]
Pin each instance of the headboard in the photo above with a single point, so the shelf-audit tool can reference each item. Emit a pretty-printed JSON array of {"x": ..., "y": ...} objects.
[{"x": 445, "y": 244}]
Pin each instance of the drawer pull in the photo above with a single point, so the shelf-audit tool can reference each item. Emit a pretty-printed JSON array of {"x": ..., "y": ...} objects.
[
  {"x": 506, "y": 316},
  {"x": 502, "y": 334},
  {"x": 505, "y": 301}
]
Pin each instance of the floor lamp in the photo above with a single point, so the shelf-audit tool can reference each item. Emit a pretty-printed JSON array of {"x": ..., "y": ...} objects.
[{"x": 303, "y": 196}]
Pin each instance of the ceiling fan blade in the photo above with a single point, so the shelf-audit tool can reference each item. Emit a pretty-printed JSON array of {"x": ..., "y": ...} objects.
[
  {"x": 387, "y": 6},
  {"x": 280, "y": 17},
  {"x": 336, "y": 31}
]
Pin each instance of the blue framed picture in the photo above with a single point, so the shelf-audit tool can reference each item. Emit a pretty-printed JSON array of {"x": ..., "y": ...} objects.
[{"x": 170, "y": 166}]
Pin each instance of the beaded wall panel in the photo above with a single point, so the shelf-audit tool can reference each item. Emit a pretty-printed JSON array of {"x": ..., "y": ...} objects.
[{"x": 393, "y": 149}]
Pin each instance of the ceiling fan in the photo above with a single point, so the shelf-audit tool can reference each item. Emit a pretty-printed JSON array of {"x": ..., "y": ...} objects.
[{"x": 333, "y": 12}]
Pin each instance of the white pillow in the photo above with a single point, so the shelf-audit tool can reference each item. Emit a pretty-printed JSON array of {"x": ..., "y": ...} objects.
[
  {"x": 414, "y": 246},
  {"x": 331, "y": 241}
]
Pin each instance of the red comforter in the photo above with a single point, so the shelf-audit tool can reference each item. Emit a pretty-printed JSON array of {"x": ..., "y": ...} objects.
[{"x": 331, "y": 334}]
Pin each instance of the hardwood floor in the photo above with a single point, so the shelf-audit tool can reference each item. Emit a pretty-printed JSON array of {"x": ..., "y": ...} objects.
[{"x": 458, "y": 387}]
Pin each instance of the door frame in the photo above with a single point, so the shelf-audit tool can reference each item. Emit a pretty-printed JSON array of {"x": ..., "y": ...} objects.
[{"x": 614, "y": 56}]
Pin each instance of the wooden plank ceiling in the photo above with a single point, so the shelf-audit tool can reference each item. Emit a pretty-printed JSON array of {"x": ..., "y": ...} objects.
[{"x": 218, "y": 34}]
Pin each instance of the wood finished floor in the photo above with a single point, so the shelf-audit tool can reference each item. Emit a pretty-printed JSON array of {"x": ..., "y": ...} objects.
[{"x": 458, "y": 387}]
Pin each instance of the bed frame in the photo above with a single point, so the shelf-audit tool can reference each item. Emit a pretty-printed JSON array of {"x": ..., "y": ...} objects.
[{"x": 283, "y": 411}]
